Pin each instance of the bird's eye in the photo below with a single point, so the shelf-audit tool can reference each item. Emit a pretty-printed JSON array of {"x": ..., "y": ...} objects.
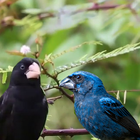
[
  {"x": 78, "y": 77},
  {"x": 22, "y": 67}
]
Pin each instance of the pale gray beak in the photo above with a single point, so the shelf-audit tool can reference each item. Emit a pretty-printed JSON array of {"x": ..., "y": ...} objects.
[{"x": 67, "y": 83}]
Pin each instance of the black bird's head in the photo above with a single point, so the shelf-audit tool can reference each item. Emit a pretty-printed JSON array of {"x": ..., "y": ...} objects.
[
  {"x": 81, "y": 83},
  {"x": 26, "y": 72}
]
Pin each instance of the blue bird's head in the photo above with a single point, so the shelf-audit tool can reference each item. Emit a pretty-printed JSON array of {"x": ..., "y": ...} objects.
[{"x": 81, "y": 83}]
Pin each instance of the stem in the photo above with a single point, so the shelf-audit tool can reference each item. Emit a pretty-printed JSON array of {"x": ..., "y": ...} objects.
[
  {"x": 67, "y": 95},
  {"x": 55, "y": 78},
  {"x": 53, "y": 99},
  {"x": 95, "y": 7},
  {"x": 45, "y": 15},
  {"x": 115, "y": 91},
  {"x": 52, "y": 87},
  {"x": 48, "y": 73},
  {"x": 106, "y": 7},
  {"x": 60, "y": 132},
  {"x": 59, "y": 88}
]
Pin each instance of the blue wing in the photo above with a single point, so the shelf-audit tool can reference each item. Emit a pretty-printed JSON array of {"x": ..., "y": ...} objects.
[{"x": 118, "y": 113}]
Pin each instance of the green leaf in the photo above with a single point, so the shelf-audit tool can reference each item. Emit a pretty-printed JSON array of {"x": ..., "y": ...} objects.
[
  {"x": 4, "y": 77},
  {"x": 73, "y": 49},
  {"x": 32, "y": 11},
  {"x": 98, "y": 56}
]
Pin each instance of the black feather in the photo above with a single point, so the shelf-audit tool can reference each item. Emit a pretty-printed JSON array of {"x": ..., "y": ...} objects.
[{"x": 23, "y": 106}]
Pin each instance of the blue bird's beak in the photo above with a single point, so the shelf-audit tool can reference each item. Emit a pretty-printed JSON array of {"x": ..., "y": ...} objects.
[{"x": 67, "y": 83}]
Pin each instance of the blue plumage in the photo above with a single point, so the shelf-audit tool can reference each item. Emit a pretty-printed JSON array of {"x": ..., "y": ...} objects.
[{"x": 99, "y": 112}]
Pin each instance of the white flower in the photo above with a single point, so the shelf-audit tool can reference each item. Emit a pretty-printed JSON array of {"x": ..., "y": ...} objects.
[{"x": 25, "y": 49}]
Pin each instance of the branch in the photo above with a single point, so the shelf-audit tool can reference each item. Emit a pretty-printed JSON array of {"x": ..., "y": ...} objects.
[
  {"x": 109, "y": 91},
  {"x": 106, "y": 7},
  {"x": 53, "y": 99},
  {"x": 71, "y": 97},
  {"x": 45, "y": 15},
  {"x": 115, "y": 91},
  {"x": 51, "y": 87},
  {"x": 60, "y": 132},
  {"x": 95, "y": 7},
  {"x": 60, "y": 89},
  {"x": 37, "y": 54},
  {"x": 45, "y": 72}
]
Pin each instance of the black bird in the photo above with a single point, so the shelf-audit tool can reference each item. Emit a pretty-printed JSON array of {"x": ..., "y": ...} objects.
[{"x": 23, "y": 106}]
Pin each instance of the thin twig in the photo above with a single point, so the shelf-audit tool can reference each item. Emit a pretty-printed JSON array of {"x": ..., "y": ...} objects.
[
  {"x": 115, "y": 91},
  {"x": 67, "y": 95},
  {"x": 53, "y": 99},
  {"x": 60, "y": 89},
  {"x": 95, "y": 7},
  {"x": 55, "y": 78},
  {"x": 51, "y": 87},
  {"x": 47, "y": 73},
  {"x": 45, "y": 15},
  {"x": 106, "y": 7}
]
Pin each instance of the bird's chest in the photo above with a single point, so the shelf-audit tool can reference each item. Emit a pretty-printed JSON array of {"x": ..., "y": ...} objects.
[
  {"x": 86, "y": 113},
  {"x": 28, "y": 101},
  {"x": 25, "y": 109},
  {"x": 28, "y": 94},
  {"x": 90, "y": 116}
]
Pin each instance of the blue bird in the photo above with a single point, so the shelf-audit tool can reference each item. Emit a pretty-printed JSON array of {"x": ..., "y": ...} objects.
[{"x": 99, "y": 112}]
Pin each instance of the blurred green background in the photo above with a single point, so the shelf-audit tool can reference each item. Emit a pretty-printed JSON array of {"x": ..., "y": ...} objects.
[{"x": 63, "y": 24}]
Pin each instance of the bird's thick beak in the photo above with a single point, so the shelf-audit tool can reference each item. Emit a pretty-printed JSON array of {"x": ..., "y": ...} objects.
[
  {"x": 67, "y": 83},
  {"x": 33, "y": 71}
]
